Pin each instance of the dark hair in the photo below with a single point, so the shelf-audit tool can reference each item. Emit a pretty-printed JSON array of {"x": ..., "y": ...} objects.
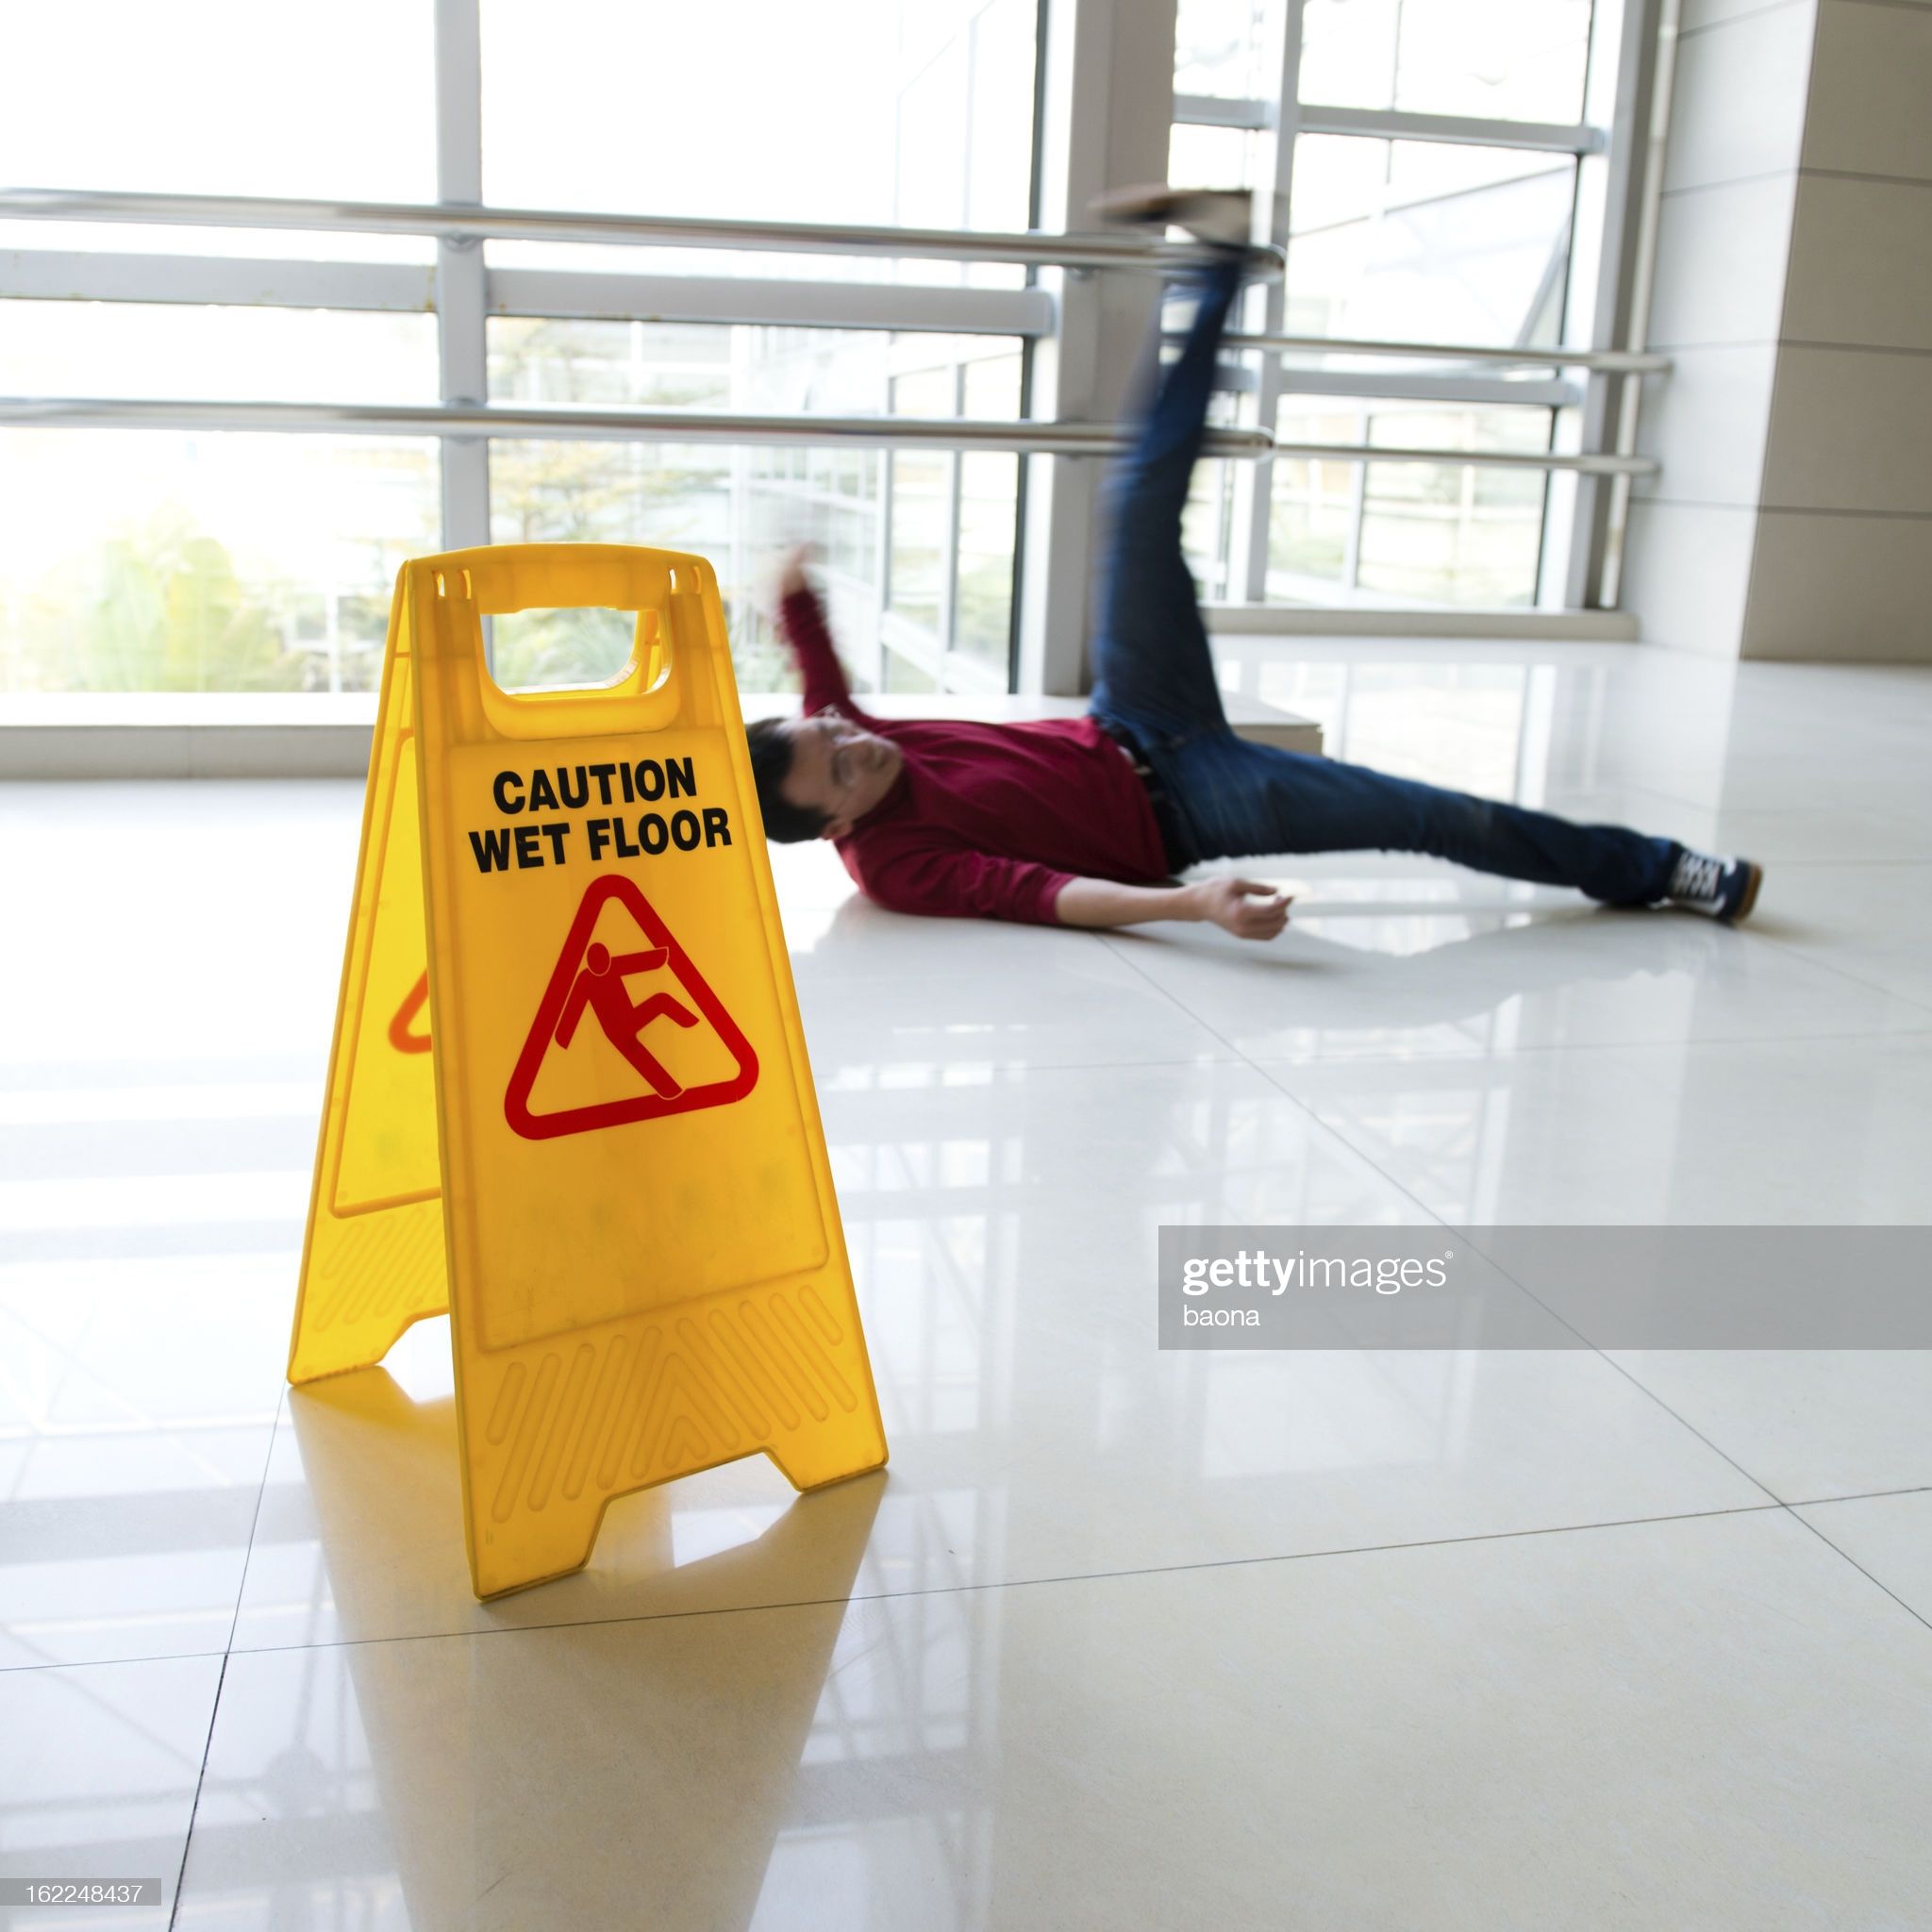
[{"x": 771, "y": 758}]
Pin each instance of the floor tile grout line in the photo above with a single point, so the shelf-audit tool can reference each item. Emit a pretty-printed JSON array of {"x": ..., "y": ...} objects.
[
  {"x": 1172, "y": 998},
  {"x": 1449, "y": 1227},
  {"x": 111, "y": 1663},
  {"x": 1643, "y": 1389},
  {"x": 275, "y": 1430},
  {"x": 1397, "y": 1056},
  {"x": 1301, "y": 1105},
  {"x": 1858, "y": 1496},
  {"x": 994, "y": 1583},
  {"x": 1461, "y": 1055},
  {"x": 214, "y": 1712},
  {"x": 1594, "y": 1349},
  {"x": 1422, "y": 1206},
  {"x": 1098, "y": 1576},
  {"x": 1237, "y": 1053},
  {"x": 1057, "y": 1067},
  {"x": 1794, "y": 952},
  {"x": 1367, "y": 1159},
  {"x": 1790, "y": 1508},
  {"x": 200, "y": 1778},
  {"x": 1839, "y": 1550}
]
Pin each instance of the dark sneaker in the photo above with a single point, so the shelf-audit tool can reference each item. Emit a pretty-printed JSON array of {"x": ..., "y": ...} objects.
[
  {"x": 1221, "y": 217},
  {"x": 1725, "y": 887}
]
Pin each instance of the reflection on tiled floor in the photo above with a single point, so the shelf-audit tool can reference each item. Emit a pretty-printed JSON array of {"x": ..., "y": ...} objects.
[{"x": 1120, "y": 1639}]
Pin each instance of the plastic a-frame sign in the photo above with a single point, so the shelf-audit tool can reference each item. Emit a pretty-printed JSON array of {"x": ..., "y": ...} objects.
[{"x": 569, "y": 1098}]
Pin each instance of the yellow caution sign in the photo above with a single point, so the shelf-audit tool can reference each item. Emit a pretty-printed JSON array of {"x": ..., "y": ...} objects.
[{"x": 569, "y": 1098}]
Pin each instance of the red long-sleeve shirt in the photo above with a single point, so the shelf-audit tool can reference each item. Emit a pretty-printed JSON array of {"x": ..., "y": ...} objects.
[{"x": 986, "y": 821}]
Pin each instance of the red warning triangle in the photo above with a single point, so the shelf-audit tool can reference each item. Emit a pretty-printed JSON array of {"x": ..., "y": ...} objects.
[{"x": 588, "y": 992}]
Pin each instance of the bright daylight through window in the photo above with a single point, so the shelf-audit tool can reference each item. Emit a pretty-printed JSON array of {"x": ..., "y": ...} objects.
[
  {"x": 1453, "y": 235},
  {"x": 1433, "y": 164},
  {"x": 226, "y": 561}
]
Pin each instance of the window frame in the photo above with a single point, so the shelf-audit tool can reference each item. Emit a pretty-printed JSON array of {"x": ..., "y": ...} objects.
[
  {"x": 464, "y": 291},
  {"x": 1577, "y": 562}
]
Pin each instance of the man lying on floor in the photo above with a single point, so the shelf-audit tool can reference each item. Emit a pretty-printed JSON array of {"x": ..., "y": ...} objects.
[{"x": 1087, "y": 822}]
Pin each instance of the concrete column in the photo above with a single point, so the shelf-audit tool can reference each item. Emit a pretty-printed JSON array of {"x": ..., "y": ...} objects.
[
  {"x": 1793, "y": 515},
  {"x": 1107, "y": 99},
  {"x": 461, "y": 302}
]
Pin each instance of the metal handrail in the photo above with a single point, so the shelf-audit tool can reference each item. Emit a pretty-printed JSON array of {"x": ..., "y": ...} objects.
[
  {"x": 690, "y": 426},
  {"x": 1028, "y": 249},
  {"x": 510, "y": 421},
  {"x": 1581, "y": 463},
  {"x": 1033, "y": 250},
  {"x": 1604, "y": 361}
]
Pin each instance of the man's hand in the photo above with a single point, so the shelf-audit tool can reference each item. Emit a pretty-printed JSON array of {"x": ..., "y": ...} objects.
[
  {"x": 791, "y": 577},
  {"x": 1248, "y": 910}
]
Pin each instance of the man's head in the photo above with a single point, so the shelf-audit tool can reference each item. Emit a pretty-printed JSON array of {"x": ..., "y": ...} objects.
[{"x": 818, "y": 777}]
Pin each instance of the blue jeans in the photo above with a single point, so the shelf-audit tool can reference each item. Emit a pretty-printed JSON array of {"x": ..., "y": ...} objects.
[{"x": 1225, "y": 798}]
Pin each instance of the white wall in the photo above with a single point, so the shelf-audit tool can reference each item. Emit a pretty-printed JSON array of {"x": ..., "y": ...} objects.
[{"x": 1793, "y": 514}]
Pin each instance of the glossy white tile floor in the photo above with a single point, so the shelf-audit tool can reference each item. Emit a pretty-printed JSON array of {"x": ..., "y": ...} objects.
[{"x": 1121, "y": 1638}]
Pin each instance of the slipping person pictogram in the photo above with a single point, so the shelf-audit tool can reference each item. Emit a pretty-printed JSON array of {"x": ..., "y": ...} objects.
[
  {"x": 591, "y": 977},
  {"x": 600, "y": 989}
]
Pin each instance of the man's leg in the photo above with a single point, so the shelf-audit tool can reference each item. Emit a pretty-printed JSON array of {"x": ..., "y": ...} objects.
[
  {"x": 1153, "y": 670},
  {"x": 1239, "y": 799}
]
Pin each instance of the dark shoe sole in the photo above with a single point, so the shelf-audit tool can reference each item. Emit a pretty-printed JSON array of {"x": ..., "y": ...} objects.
[{"x": 1743, "y": 909}]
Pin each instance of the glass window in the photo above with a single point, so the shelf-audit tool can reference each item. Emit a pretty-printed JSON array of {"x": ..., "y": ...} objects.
[
  {"x": 1220, "y": 48},
  {"x": 995, "y": 66},
  {"x": 988, "y": 492},
  {"x": 229, "y": 354},
  {"x": 1429, "y": 241},
  {"x": 1424, "y": 242},
  {"x": 675, "y": 496},
  {"x": 905, "y": 115},
  {"x": 1311, "y": 513},
  {"x": 920, "y": 479},
  {"x": 613, "y": 364},
  {"x": 606, "y": 104},
  {"x": 741, "y": 505},
  {"x": 1205, "y": 527},
  {"x": 149, "y": 560},
  {"x": 903, "y": 675},
  {"x": 900, "y": 114},
  {"x": 1207, "y": 517},
  {"x": 738, "y": 506},
  {"x": 670, "y": 496},
  {"x": 1504, "y": 60},
  {"x": 1210, "y": 157},
  {"x": 1407, "y": 533},
  {"x": 1454, "y": 534},
  {"x": 222, "y": 97}
]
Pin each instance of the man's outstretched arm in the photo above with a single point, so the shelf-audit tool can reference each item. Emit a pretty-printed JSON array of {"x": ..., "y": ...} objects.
[
  {"x": 1248, "y": 910},
  {"x": 802, "y": 619},
  {"x": 952, "y": 882}
]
